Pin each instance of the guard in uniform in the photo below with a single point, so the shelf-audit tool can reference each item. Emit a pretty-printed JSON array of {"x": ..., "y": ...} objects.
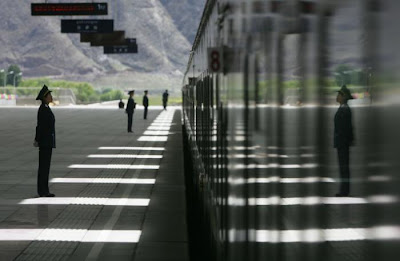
[
  {"x": 343, "y": 139},
  {"x": 165, "y": 99},
  {"x": 121, "y": 104},
  {"x": 145, "y": 104},
  {"x": 130, "y": 108},
  {"x": 45, "y": 139}
]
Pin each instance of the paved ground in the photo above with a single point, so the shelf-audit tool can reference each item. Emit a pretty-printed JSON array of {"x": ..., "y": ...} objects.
[{"x": 118, "y": 195}]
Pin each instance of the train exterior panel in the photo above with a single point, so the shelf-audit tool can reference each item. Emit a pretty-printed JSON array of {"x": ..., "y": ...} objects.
[{"x": 259, "y": 100}]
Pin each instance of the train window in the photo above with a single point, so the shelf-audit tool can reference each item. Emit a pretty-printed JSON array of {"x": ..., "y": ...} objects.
[
  {"x": 308, "y": 53},
  {"x": 291, "y": 70},
  {"x": 345, "y": 62}
]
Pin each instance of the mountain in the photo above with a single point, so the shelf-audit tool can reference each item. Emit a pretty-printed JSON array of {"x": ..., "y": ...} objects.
[
  {"x": 182, "y": 11},
  {"x": 164, "y": 38},
  {"x": 165, "y": 30}
]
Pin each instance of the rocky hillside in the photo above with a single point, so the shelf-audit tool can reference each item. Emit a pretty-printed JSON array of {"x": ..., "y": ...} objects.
[{"x": 163, "y": 34}]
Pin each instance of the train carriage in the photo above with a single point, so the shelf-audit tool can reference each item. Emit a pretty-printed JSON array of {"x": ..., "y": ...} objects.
[{"x": 258, "y": 107}]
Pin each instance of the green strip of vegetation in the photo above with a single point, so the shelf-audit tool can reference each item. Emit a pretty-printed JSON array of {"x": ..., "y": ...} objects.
[{"x": 84, "y": 92}]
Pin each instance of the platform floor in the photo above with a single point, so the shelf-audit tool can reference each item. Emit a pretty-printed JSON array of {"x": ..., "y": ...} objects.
[{"x": 119, "y": 196}]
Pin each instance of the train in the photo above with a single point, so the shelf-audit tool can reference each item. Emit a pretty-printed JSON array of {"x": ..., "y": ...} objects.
[{"x": 257, "y": 116}]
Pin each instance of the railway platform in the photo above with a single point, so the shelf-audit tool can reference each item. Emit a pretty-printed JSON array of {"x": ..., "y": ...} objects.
[{"x": 119, "y": 196}]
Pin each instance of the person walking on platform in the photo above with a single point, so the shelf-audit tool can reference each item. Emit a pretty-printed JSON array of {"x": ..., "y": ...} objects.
[
  {"x": 130, "y": 108},
  {"x": 145, "y": 104},
  {"x": 121, "y": 104},
  {"x": 165, "y": 99},
  {"x": 343, "y": 139},
  {"x": 45, "y": 139}
]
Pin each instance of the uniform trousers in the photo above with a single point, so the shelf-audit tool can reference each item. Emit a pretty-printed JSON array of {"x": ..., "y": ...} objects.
[
  {"x": 145, "y": 113},
  {"x": 44, "y": 170},
  {"x": 343, "y": 156},
  {"x": 130, "y": 117}
]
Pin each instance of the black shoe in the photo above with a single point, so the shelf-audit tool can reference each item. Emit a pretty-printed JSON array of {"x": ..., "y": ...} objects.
[
  {"x": 341, "y": 195},
  {"x": 49, "y": 195}
]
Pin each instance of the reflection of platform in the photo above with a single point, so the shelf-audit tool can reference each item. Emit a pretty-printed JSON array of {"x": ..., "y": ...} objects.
[{"x": 118, "y": 198}]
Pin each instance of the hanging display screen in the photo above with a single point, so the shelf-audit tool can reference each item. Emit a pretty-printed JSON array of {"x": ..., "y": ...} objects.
[
  {"x": 87, "y": 26},
  {"x": 130, "y": 46},
  {"x": 69, "y": 9},
  {"x": 120, "y": 49},
  {"x": 99, "y": 39}
]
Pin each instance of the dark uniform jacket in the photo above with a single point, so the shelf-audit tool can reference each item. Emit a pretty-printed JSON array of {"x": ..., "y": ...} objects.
[
  {"x": 165, "y": 96},
  {"x": 343, "y": 134},
  {"x": 145, "y": 101},
  {"x": 130, "y": 106},
  {"x": 45, "y": 129}
]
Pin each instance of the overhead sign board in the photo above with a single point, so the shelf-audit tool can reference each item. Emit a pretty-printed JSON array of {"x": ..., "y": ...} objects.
[
  {"x": 69, "y": 9},
  {"x": 130, "y": 46},
  {"x": 100, "y": 39},
  {"x": 120, "y": 49},
  {"x": 116, "y": 38},
  {"x": 87, "y": 26}
]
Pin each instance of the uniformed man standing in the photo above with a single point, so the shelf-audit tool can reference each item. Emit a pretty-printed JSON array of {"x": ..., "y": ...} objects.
[
  {"x": 165, "y": 99},
  {"x": 130, "y": 108},
  {"x": 145, "y": 104},
  {"x": 343, "y": 139},
  {"x": 45, "y": 139},
  {"x": 121, "y": 104}
]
